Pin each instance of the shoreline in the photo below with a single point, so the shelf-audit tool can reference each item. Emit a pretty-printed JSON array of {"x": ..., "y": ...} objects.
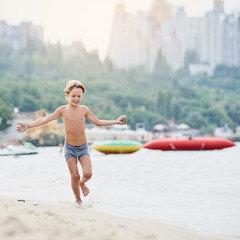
[{"x": 20, "y": 219}]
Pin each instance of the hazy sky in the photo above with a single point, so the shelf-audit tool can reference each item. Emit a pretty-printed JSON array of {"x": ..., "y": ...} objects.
[{"x": 87, "y": 20}]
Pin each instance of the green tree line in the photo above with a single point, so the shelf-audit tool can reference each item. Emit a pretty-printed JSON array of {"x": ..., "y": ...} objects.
[{"x": 34, "y": 78}]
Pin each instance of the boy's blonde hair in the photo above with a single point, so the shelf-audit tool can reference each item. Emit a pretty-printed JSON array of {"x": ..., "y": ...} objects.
[{"x": 74, "y": 84}]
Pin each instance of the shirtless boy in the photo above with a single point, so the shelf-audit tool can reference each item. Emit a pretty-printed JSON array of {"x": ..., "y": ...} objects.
[{"x": 75, "y": 147}]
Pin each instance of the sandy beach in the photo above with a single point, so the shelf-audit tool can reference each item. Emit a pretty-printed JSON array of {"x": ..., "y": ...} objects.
[{"x": 20, "y": 219}]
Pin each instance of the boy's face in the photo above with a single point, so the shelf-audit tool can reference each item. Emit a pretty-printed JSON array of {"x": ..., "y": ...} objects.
[{"x": 75, "y": 96}]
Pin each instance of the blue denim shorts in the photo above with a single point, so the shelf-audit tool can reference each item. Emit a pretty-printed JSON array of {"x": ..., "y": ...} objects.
[{"x": 75, "y": 151}]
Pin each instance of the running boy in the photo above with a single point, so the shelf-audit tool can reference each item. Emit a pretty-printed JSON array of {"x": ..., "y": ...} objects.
[{"x": 75, "y": 147}]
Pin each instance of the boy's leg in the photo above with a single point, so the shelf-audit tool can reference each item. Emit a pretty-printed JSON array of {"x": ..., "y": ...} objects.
[
  {"x": 86, "y": 164},
  {"x": 75, "y": 178}
]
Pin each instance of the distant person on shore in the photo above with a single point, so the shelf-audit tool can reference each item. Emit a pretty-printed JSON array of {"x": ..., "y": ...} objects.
[
  {"x": 61, "y": 147},
  {"x": 75, "y": 147}
]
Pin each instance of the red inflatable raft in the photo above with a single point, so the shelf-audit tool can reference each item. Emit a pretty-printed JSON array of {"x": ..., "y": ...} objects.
[{"x": 201, "y": 143}]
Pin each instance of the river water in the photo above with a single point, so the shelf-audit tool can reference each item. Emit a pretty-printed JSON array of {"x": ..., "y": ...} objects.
[{"x": 199, "y": 190}]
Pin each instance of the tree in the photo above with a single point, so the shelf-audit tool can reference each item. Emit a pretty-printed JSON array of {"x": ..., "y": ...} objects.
[
  {"x": 196, "y": 120},
  {"x": 6, "y": 110},
  {"x": 217, "y": 115},
  {"x": 29, "y": 103},
  {"x": 190, "y": 57},
  {"x": 164, "y": 103},
  {"x": 162, "y": 69},
  {"x": 5, "y": 116},
  {"x": 35, "y": 77},
  {"x": 233, "y": 111}
]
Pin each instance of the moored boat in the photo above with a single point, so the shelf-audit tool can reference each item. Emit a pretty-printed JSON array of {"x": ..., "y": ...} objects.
[
  {"x": 184, "y": 144},
  {"x": 117, "y": 147},
  {"x": 25, "y": 149}
]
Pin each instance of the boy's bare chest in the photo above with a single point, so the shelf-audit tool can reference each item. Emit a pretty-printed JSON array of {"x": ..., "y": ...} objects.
[{"x": 74, "y": 116}]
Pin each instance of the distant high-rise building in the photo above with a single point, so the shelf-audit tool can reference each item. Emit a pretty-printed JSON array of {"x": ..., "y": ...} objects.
[
  {"x": 220, "y": 37},
  {"x": 218, "y": 5},
  {"x": 211, "y": 51},
  {"x": 160, "y": 10},
  {"x": 19, "y": 36},
  {"x": 134, "y": 40},
  {"x": 137, "y": 39},
  {"x": 231, "y": 39},
  {"x": 180, "y": 34},
  {"x": 215, "y": 37},
  {"x": 74, "y": 48}
]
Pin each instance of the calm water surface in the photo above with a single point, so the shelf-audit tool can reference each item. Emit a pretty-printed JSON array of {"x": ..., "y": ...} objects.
[{"x": 195, "y": 189}]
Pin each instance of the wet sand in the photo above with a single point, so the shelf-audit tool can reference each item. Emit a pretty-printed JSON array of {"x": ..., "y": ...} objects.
[{"x": 20, "y": 219}]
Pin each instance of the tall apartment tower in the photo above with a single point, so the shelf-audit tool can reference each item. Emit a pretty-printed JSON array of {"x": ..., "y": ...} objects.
[
  {"x": 160, "y": 10},
  {"x": 179, "y": 34},
  {"x": 21, "y": 35},
  {"x": 121, "y": 35},
  {"x": 218, "y": 5},
  {"x": 134, "y": 40},
  {"x": 231, "y": 39},
  {"x": 211, "y": 49}
]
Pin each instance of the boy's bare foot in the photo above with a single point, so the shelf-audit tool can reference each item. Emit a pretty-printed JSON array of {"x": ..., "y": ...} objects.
[
  {"x": 84, "y": 188},
  {"x": 78, "y": 203}
]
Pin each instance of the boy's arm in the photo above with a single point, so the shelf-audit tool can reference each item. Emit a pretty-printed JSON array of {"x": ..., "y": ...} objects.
[
  {"x": 24, "y": 126},
  {"x": 92, "y": 118}
]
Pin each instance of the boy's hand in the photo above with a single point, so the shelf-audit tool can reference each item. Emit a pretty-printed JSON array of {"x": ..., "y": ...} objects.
[
  {"x": 22, "y": 127},
  {"x": 122, "y": 119}
]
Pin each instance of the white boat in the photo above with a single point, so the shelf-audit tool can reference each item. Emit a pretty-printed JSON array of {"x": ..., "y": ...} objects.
[{"x": 25, "y": 149}]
